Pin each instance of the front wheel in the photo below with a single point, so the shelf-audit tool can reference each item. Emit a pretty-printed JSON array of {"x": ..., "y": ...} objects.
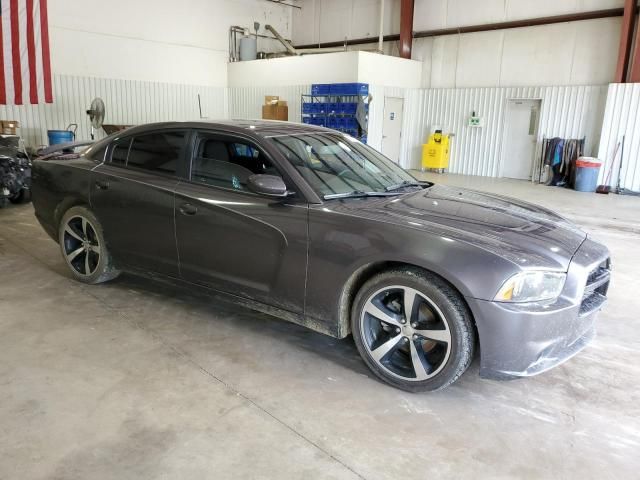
[
  {"x": 413, "y": 330},
  {"x": 83, "y": 247}
]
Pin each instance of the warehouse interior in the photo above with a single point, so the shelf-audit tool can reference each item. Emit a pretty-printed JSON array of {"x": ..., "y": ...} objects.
[{"x": 538, "y": 101}]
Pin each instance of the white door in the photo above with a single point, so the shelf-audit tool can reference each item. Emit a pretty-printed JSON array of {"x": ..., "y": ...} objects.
[
  {"x": 520, "y": 138},
  {"x": 392, "y": 127}
]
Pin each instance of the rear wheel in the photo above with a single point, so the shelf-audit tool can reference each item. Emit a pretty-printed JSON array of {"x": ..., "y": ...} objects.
[
  {"x": 413, "y": 330},
  {"x": 83, "y": 247}
]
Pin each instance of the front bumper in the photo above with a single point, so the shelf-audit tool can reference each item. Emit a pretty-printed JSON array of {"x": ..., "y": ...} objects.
[{"x": 519, "y": 340}]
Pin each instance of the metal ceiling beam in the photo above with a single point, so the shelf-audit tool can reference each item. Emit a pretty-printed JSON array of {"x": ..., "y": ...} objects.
[
  {"x": 406, "y": 28},
  {"x": 626, "y": 38}
]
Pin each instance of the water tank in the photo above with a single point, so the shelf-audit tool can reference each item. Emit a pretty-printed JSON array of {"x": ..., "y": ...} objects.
[{"x": 248, "y": 48}]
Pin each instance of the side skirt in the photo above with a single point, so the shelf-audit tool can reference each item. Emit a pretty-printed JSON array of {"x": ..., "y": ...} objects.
[{"x": 298, "y": 319}]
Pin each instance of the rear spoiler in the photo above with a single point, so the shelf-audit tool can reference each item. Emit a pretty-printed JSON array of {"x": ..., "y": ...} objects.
[{"x": 62, "y": 150}]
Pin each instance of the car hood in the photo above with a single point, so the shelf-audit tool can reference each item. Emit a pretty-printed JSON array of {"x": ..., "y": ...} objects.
[{"x": 526, "y": 234}]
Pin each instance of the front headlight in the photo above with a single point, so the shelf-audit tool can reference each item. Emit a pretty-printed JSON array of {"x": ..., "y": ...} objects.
[{"x": 532, "y": 287}]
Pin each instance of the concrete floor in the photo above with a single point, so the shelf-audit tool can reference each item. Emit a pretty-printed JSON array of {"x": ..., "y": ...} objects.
[{"x": 135, "y": 379}]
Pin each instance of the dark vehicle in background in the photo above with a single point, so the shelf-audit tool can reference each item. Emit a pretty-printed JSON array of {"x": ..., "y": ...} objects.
[
  {"x": 15, "y": 172},
  {"x": 312, "y": 226}
]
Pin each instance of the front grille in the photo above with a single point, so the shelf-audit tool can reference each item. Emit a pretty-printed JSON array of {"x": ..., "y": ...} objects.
[{"x": 595, "y": 291}]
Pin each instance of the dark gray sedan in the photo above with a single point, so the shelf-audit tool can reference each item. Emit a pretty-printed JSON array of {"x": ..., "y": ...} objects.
[{"x": 312, "y": 226}]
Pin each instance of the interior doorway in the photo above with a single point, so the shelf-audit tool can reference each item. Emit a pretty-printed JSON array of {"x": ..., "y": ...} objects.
[
  {"x": 520, "y": 137},
  {"x": 392, "y": 127}
]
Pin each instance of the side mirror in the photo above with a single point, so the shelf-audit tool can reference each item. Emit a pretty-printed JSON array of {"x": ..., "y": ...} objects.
[{"x": 269, "y": 185}]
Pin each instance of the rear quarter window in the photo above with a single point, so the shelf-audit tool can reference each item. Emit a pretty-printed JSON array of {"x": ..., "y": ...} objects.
[
  {"x": 97, "y": 155},
  {"x": 120, "y": 151}
]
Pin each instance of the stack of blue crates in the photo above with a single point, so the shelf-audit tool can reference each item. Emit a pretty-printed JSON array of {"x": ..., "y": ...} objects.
[
  {"x": 334, "y": 105},
  {"x": 361, "y": 89}
]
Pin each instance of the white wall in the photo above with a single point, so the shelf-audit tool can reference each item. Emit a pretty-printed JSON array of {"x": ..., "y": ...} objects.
[
  {"x": 333, "y": 20},
  {"x": 574, "y": 53},
  {"x": 128, "y": 102},
  {"x": 326, "y": 68},
  {"x": 621, "y": 118},
  {"x": 154, "y": 40},
  {"x": 337, "y": 67},
  {"x": 386, "y": 70},
  {"x": 436, "y": 14},
  {"x": 567, "y": 112},
  {"x": 246, "y": 102}
]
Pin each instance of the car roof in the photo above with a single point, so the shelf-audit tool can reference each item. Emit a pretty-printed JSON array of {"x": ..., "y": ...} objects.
[{"x": 262, "y": 128}]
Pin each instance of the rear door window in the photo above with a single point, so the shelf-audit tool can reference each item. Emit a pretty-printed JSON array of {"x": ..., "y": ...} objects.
[{"x": 159, "y": 152}]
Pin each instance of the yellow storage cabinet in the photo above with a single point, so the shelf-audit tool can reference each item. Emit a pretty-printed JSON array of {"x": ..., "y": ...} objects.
[{"x": 435, "y": 153}]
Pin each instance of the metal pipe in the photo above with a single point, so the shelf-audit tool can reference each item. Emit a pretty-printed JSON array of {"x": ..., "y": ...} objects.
[
  {"x": 574, "y": 17},
  {"x": 281, "y": 39},
  {"x": 281, "y": 2},
  {"x": 532, "y": 22},
  {"x": 233, "y": 42},
  {"x": 381, "y": 30}
]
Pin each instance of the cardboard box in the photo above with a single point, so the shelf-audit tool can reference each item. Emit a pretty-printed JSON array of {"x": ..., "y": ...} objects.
[
  {"x": 275, "y": 112},
  {"x": 274, "y": 108},
  {"x": 9, "y": 127}
]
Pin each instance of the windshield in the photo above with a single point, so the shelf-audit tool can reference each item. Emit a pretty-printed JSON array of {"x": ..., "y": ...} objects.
[{"x": 335, "y": 164}]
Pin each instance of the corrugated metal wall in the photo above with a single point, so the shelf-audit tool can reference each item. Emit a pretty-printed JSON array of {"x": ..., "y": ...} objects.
[
  {"x": 566, "y": 111},
  {"x": 246, "y": 102},
  {"x": 569, "y": 112},
  {"x": 127, "y": 103},
  {"x": 622, "y": 117}
]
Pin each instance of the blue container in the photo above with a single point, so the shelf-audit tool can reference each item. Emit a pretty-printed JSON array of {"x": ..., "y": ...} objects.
[
  {"x": 351, "y": 123},
  {"x": 56, "y": 137},
  {"x": 349, "y": 108},
  {"x": 320, "y": 89},
  {"x": 586, "y": 176},
  {"x": 349, "y": 89}
]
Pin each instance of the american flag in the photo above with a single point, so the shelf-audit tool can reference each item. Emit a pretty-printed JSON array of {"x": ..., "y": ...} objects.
[{"x": 24, "y": 52}]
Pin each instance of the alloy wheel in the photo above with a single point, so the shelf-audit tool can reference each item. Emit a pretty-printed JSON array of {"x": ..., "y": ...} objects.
[
  {"x": 81, "y": 245},
  {"x": 405, "y": 333}
]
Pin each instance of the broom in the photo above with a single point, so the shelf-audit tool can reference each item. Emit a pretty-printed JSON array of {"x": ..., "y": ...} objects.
[{"x": 606, "y": 188}]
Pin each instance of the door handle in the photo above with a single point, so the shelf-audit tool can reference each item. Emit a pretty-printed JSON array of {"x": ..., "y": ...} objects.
[
  {"x": 188, "y": 209},
  {"x": 102, "y": 185}
]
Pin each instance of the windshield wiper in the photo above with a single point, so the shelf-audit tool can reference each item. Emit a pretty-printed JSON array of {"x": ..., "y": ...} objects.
[
  {"x": 407, "y": 183},
  {"x": 358, "y": 193}
]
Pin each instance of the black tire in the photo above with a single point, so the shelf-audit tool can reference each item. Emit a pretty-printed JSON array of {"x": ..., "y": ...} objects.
[
  {"x": 435, "y": 342},
  {"x": 23, "y": 196},
  {"x": 83, "y": 247}
]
